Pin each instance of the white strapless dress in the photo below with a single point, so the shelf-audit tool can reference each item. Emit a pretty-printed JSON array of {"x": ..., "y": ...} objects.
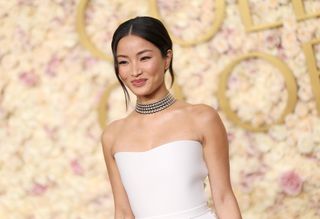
[{"x": 166, "y": 182}]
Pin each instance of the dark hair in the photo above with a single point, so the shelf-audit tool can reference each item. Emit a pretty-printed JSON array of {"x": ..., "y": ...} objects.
[{"x": 148, "y": 28}]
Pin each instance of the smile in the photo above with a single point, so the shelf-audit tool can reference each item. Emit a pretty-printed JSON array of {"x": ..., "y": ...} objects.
[{"x": 139, "y": 83}]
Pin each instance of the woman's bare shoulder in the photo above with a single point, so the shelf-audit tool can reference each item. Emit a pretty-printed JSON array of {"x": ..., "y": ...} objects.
[
  {"x": 111, "y": 130},
  {"x": 200, "y": 113},
  {"x": 200, "y": 109}
]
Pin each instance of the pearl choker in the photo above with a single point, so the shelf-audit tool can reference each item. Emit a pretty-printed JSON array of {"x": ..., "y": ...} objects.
[{"x": 162, "y": 104}]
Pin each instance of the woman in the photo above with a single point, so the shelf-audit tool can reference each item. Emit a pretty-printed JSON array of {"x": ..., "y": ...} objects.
[{"x": 158, "y": 156}]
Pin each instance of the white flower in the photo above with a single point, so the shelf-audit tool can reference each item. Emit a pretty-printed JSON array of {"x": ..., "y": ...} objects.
[
  {"x": 220, "y": 44},
  {"x": 301, "y": 109},
  {"x": 263, "y": 142},
  {"x": 305, "y": 143},
  {"x": 278, "y": 132}
]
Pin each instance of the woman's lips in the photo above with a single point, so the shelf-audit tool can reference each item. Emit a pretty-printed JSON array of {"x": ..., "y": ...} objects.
[{"x": 139, "y": 82}]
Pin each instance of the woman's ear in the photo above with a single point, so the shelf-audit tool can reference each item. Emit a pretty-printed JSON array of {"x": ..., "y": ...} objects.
[{"x": 168, "y": 59}]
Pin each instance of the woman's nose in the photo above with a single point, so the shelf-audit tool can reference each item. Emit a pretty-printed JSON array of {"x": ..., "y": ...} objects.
[{"x": 136, "y": 71}]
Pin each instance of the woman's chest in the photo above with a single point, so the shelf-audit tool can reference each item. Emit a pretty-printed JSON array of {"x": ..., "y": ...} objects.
[{"x": 145, "y": 136}]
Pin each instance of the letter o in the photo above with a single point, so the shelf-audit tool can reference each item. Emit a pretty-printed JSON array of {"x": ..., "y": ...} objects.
[
  {"x": 83, "y": 36},
  {"x": 289, "y": 80}
]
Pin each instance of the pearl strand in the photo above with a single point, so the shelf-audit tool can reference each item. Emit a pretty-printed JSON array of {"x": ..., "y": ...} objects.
[{"x": 150, "y": 108}]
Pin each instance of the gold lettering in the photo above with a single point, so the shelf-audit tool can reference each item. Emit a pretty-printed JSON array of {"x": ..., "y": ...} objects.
[
  {"x": 83, "y": 36},
  {"x": 299, "y": 10},
  {"x": 289, "y": 80},
  {"x": 220, "y": 13},
  {"x": 103, "y": 106},
  {"x": 247, "y": 18},
  {"x": 314, "y": 71}
]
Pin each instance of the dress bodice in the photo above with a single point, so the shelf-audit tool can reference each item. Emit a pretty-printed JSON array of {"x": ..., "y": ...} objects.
[{"x": 166, "y": 179}]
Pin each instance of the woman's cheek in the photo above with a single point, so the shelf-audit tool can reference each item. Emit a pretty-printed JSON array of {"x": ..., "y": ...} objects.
[
  {"x": 153, "y": 67},
  {"x": 123, "y": 75}
]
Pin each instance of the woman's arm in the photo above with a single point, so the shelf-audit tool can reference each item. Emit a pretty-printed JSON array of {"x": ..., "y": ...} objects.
[
  {"x": 216, "y": 154},
  {"x": 122, "y": 208}
]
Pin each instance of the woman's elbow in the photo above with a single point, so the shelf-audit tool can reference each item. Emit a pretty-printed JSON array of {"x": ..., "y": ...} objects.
[{"x": 225, "y": 197}]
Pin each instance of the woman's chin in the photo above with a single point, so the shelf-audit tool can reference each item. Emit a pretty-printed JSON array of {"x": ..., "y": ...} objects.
[{"x": 139, "y": 92}]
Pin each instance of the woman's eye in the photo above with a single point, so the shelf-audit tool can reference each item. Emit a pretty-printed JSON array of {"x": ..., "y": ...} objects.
[
  {"x": 145, "y": 58},
  {"x": 122, "y": 62}
]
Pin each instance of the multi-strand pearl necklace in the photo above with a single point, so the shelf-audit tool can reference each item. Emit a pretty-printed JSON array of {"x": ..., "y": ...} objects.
[{"x": 162, "y": 104}]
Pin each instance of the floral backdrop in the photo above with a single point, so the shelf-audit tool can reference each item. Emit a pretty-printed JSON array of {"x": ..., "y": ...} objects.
[{"x": 51, "y": 161}]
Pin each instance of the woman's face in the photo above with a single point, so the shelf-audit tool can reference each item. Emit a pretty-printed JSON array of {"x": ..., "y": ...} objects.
[{"x": 141, "y": 65}]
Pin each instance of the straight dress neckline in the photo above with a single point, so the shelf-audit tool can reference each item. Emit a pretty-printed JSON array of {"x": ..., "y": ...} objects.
[{"x": 156, "y": 148}]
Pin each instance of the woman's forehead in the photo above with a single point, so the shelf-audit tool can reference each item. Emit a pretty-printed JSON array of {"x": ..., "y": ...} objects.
[{"x": 132, "y": 44}]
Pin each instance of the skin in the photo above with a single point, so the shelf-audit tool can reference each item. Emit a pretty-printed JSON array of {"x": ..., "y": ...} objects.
[{"x": 138, "y": 58}]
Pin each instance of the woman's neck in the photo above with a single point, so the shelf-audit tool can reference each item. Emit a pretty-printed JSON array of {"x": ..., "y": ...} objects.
[{"x": 152, "y": 98}]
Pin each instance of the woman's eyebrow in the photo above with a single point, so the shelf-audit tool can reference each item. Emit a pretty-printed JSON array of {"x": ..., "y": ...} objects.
[
  {"x": 139, "y": 53},
  {"x": 121, "y": 56},
  {"x": 143, "y": 51}
]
